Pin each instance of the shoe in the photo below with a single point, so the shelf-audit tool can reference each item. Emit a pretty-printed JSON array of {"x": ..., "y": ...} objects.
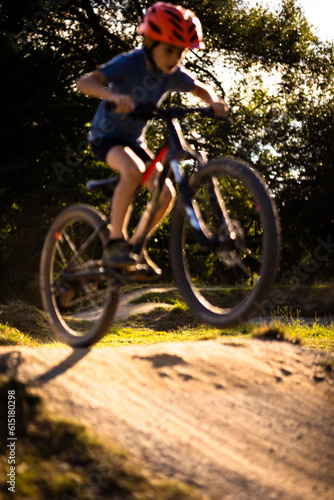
[{"x": 118, "y": 254}]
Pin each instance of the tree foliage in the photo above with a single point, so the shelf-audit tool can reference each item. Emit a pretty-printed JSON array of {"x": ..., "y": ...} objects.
[{"x": 277, "y": 76}]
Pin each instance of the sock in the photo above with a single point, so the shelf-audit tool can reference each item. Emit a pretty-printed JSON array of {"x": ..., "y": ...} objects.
[{"x": 112, "y": 241}]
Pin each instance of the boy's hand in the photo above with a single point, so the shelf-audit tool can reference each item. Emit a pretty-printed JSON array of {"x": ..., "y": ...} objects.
[
  {"x": 207, "y": 95},
  {"x": 124, "y": 103},
  {"x": 220, "y": 108}
]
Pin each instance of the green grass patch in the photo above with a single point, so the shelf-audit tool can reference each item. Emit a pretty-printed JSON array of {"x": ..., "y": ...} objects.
[
  {"x": 28, "y": 320},
  {"x": 221, "y": 297},
  {"x": 136, "y": 336},
  {"x": 225, "y": 297},
  {"x": 58, "y": 459},
  {"x": 177, "y": 324},
  {"x": 172, "y": 297},
  {"x": 10, "y": 336},
  {"x": 161, "y": 325},
  {"x": 307, "y": 300},
  {"x": 171, "y": 325},
  {"x": 275, "y": 331},
  {"x": 314, "y": 335}
]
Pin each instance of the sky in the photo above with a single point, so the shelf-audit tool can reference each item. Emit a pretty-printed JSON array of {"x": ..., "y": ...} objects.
[{"x": 319, "y": 13}]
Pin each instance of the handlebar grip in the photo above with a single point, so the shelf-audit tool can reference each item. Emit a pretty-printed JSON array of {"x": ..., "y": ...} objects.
[
  {"x": 209, "y": 113},
  {"x": 110, "y": 106},
  {"x": 143, "y": 111},
  {"x": 146, "y": 111}
]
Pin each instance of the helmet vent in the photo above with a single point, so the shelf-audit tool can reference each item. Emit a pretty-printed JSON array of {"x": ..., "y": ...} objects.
[
  {"x": 154, "y": 27},
  {"x": 176, "y": 24},
  {"x": 177, "y": 16},
  {"x": 178, "y": 36}
]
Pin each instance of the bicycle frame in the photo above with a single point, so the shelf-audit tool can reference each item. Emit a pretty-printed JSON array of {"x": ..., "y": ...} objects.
[
  {"x": 169, "y": 155},
  {"x": 225, "y": 206}
]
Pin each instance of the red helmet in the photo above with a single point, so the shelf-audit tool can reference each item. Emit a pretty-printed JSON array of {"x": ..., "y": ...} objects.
[{"x": 169, "y": 23}]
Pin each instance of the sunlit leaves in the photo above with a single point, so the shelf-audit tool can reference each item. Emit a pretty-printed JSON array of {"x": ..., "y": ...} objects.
[{"x": 275, "y": 73}]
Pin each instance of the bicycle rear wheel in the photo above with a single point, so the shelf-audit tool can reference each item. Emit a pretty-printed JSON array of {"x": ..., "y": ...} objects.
[
  {"x": 78, "y": 297},
  {"x": 224, "y": 286}
]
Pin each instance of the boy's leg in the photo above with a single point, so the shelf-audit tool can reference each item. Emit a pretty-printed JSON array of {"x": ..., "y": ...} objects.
[
  {"x": 131, "y": 168},
  {"x": 122, "y": 159},
  {"x": 166, "y": 201}
]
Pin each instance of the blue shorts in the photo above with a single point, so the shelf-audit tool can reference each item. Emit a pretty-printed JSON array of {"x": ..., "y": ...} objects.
[{"x": 101, "y": 147}]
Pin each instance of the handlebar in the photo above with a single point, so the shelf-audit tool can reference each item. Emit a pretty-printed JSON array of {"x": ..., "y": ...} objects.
[{"x": 146, "y": 111}]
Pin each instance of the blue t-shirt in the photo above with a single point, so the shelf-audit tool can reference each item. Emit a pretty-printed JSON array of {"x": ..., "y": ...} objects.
[{"x": 129, "y": 74}]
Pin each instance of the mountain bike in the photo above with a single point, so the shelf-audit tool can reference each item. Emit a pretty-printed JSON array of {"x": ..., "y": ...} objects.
[{"x": 224, "y": 242}]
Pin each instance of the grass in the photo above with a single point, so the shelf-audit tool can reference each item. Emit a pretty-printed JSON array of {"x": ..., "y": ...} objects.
[
  {"x": 10, "y": 336},
  {"x": 178, "y": 324},
  {"x": 314, "y": 335},
  {"x": 58, "y": 459},
  {"x": 307, "y": 300},
  {"x": 22, "y": 324},
  {"x": 28, "y": 325},
  {"x": 172, "y": 297},
  {"x": 134, "y": 336}
]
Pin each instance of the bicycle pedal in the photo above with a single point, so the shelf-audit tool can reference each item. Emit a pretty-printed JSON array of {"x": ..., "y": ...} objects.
[
  {"x": 141, "y": 272},
  {"x": 136, "y": 268}
]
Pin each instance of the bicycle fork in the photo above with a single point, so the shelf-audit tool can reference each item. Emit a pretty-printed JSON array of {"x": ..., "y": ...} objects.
[{"x": 226, "y": 239}]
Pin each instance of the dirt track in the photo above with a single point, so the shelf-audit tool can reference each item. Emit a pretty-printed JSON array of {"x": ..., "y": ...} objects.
[{"x": 242, "y": 420}]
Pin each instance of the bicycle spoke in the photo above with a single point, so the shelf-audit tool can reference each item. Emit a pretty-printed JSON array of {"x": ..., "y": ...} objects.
[
  {"x": 89, "y": 300},
  {"x": 78, "y": 298},
  {"x": 60, "y": 253},
  {"x": 85, "y": 244},
  {"x": 70, "y": 243},
  {"x": 217, "y": 281}
]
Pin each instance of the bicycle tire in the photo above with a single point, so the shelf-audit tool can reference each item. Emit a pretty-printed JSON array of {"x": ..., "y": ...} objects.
[
  {"x": 79, "y": 312},
  {"x": 223, "y": 289}
]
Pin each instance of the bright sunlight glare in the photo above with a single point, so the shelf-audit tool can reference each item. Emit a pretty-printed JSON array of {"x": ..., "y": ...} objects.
[{"x": 319, "y": 13}]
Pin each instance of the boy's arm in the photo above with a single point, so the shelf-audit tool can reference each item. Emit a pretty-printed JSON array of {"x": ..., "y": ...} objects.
[
  {"x": 207, "y": 95},
  {"x": 94, "y": 85}
]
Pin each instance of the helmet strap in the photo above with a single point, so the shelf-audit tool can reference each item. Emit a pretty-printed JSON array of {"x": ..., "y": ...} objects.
[{"x": 149, "y": 55}]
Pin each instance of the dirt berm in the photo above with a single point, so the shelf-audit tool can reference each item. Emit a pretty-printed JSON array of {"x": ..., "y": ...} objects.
[{"x": 244, "y": 420}]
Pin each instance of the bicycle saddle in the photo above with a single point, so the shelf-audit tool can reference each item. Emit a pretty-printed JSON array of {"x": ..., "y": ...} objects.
[{"x": 107, "y": 186}]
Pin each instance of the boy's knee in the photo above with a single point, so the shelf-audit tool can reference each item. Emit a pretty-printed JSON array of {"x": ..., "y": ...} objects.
[
  {"x": 125, "y": 161},
  {"x": 131, "y": 174},
  {"x": 135, "y": 173}
]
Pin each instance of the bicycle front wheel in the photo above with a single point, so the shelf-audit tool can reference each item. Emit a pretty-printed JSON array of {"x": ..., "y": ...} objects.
[
  {"x": 225, "y": 285},
  {"x": 78, "y": 299}
]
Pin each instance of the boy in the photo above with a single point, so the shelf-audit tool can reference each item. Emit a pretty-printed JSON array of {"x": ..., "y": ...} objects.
[{"x": 142, "y": 75}]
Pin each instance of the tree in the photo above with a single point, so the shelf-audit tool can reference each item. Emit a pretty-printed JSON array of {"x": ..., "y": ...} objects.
[{"x": 284, "y": 128}]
